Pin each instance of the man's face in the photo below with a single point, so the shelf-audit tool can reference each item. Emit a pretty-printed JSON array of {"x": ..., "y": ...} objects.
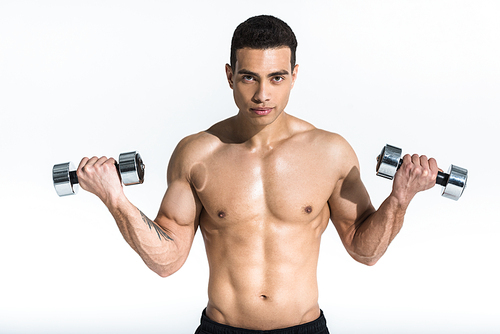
[{"x": 261, "y": 83}]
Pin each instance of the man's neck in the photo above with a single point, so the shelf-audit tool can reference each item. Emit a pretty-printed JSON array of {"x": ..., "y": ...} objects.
[{"x": 261, "y": 136}]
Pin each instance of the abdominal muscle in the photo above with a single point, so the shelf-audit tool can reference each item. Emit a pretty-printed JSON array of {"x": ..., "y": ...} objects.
[{"x": 264, "y": 277}]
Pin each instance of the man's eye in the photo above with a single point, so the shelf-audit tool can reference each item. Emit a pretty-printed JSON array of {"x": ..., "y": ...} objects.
[
  {"x": 278, "y": 79},
  {"x": 248, "y": 78}
]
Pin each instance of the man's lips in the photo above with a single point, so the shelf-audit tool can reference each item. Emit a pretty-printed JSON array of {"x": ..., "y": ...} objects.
[{"x": 261, "y": 111}]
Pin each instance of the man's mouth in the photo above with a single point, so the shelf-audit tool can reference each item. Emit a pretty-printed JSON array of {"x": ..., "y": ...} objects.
[{"x": 261, "y": 111}]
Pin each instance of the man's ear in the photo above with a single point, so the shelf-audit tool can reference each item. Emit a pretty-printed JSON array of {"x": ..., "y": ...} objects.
[
  {"x": 229, "y": 75},
  {"x": 295, "y": 72}
]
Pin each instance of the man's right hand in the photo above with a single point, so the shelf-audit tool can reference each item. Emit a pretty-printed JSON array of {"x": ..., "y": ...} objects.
[
  {"x": 417, "y": 173},
  {"x": 99, "y": 176}
]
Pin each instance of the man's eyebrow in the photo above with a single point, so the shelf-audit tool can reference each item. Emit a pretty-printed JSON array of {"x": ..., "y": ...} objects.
[
  {"x": 270, "y": 75},
  {"x": 247, "y": 72},
  {"x": 278, "y": 73}
]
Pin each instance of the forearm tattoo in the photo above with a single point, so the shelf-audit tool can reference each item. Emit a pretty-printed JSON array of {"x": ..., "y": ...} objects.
[{"x": 157, "y": 228}]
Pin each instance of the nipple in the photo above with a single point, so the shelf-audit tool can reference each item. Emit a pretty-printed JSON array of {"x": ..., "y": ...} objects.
[
  {"x": 221, "y": 214},
  {"x": 308, "y": 209}
]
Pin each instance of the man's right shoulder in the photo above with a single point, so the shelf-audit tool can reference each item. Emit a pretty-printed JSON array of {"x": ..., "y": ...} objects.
[
  {"x": 191, "y": 151},
  {"x": 196, "y": 146}
]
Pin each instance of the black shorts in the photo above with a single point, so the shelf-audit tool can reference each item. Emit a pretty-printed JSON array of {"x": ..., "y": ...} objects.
[{"x": 208, "y": 326}]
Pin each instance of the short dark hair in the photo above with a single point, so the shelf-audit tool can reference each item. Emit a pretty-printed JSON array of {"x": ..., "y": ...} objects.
[{"x": 263, "y": 32}]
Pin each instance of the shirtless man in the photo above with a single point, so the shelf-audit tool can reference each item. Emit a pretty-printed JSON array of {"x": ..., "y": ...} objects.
[{"x": 262, "y": 187}]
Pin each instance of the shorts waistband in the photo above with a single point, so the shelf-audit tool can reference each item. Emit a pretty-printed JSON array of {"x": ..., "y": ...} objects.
[{"x": 317, "y": 326}]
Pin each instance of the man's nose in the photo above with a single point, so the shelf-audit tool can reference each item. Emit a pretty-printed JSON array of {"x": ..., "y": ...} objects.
[{"x": 263, "y": 93}]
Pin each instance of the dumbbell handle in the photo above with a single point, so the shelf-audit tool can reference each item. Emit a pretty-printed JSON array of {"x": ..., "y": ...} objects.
[
  {"x": 441, "y": 179},
  {"x": 73, "y": 178}
]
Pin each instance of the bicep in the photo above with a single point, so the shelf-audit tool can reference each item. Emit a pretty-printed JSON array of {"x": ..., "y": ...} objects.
[
  {"x": 178, "y": 214},
  {"x": 350, "y": 202},
  {"x": 180, "y": 208}
]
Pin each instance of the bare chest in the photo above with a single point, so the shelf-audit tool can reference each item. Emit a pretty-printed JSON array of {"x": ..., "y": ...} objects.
[{"x": 289, "y": 185}]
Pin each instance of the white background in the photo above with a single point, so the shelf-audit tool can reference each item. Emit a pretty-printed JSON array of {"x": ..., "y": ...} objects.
[{"x": 83, "y": 78}]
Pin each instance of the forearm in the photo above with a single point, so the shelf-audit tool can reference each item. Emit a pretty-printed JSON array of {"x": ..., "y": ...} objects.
[
  {"x": 155, "y": 245},
  {"x": 163, "y": 245},
  {"x": 373, "y": 235}
]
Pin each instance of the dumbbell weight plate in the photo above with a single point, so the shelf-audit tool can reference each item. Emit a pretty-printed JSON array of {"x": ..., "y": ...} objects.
[
  {"x": 131, "y": 168},
  {"x": 62, "y": 174},
  {"x": 388, "y": 161},
  {"x": 456, "y": 183}
]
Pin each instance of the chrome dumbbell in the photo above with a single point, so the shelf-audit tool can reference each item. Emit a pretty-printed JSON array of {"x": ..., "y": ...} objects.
[
  {"x": 130, "y": 167},
  {"x": 454, "y": 182}
]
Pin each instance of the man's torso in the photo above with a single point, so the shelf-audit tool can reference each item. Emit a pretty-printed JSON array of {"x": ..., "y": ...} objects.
[{"x": 264, "y": 211}]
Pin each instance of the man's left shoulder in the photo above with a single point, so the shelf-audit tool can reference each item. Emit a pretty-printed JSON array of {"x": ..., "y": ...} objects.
[
  {"x": 331, "y": 140},
  {"x": 325, "y": 138}
]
